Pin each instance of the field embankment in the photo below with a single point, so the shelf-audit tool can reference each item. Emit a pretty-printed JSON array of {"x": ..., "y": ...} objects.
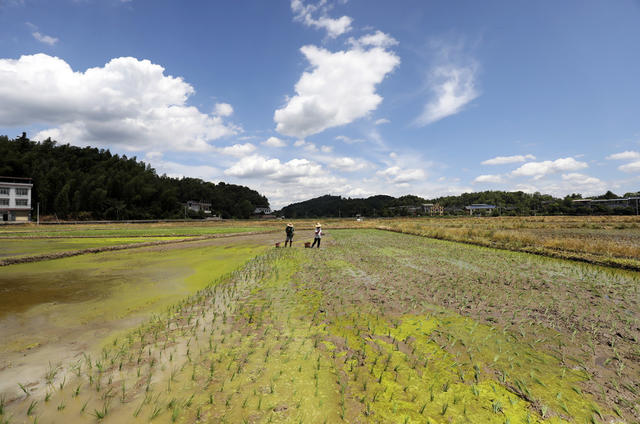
[{"x": 375, "y": 327}]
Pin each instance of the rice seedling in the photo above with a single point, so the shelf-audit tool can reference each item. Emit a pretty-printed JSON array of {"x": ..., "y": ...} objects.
[{"x": 32, "y": 407}]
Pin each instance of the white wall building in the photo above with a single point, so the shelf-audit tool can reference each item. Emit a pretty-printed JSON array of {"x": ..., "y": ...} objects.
[{"x": 15, "y": 199}]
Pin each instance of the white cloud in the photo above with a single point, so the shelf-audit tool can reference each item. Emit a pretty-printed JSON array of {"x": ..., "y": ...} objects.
[
  {"x": 178, "y": 170},
  {"x": 581, "y": 179},
  {"x": 397, "y": 175},
  {"x": 340, "y": 88},
  {"x": 382, "y": 121},
  {"x": 349, "y": 140},
  {"x": 489, "y": 178},
  {"x": 540, "y": 169},
  {"x": 347, "y": 164},
  {"x": 453, "y": 87},
  {"x": 128, "y": 103},
  {"x": 307, "y": 145},
  {"x": 633, "y": 156},
  {"x": 626, "y": 155},
  {"x": 237, "y": 149},
  {"x": 223, "y": 109},
  {"x": 334, "y": 27},
  {"x": 326, "y": 149},
  {"x": 377, "y": 39},
  {"x": 274, "y": 142},
  {"x": 501, "y": 160},
  {"x": 569, "y": 183},
  {"x": 256, "y": 166},
  {"x": 630, "y": 167},
  {"x": 46, "y": 39}
]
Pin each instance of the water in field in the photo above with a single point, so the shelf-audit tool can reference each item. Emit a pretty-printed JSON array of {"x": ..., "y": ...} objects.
[
  {"x": 18, "y": 247},
  {"x": 56, "y": 309},
  {"x": 374, "y": 327}
]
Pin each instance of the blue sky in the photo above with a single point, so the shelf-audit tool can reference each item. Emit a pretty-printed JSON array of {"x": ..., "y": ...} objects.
[{"x": 353, "y": 97}]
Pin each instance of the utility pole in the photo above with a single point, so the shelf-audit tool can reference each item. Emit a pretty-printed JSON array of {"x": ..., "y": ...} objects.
[{"x": 38, "y": 213}]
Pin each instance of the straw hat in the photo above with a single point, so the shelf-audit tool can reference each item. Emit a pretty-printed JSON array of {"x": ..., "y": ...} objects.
[
  {"x": 289, "y": 225},
  {"x": 318, "y": 225}
]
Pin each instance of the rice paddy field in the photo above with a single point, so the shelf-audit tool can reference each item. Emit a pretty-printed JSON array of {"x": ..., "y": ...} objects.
[{"x": 389, "y": 322}]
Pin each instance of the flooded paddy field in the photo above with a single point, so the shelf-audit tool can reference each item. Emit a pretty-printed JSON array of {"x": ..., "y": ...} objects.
[
  {"x": 51, "y": 311},
  {"x": 131, "y": 230},
  {"x": 376, "y": 327},
  {"x": 19, "y": 247}
]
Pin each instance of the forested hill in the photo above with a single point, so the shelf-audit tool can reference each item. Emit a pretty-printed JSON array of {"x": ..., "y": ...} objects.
[
  {"x": 509, "y": 203},
  {"x": 91, "y": 183}
]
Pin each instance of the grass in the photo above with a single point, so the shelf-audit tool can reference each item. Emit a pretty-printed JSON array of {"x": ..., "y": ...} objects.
[{"x": 374, "y": 327}]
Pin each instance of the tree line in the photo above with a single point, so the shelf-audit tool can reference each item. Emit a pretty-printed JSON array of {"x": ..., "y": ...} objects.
[
  {"x": 91, "y": 183},
  {"x": 507, "y": 203}
]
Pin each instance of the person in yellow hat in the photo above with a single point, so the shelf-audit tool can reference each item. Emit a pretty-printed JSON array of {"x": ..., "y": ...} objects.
[
  {"x": 317, "y": 235},
  {"x": 289, "y": 232}
]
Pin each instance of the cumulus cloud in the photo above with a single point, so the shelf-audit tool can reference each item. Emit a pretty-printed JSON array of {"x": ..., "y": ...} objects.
[
  {"x": 626, "y": 155},
  {"x": 377, "y": 39},
  {"x": 349, "y": 140},
  {"x": 347, "y": 164},
  {"x": 46, "y": 39},
  {"x": 274, "y": 142},
  {"x": 382, "y": 121},
  {"x": 256, "y": 166},
  {"x": 572, "y": 182},
  {"x": 237, "y": 149},
  {"x": 304, "y": 13},
  {"x": 540, "y": 169},
  {"x": 581, "y": 179},
  {"x": 398, "y": 175},
  {"x": 501, "y": 160},
  {"x": 452, "y": 87},
  {"x": 307, "y": 145},
  {"x": 179, "y": 170},
  {"x": 630, "y": 167},
  {"x": 340, "y": 88},
  {"x": 128, "y": 103},
  {"x": 223, "y": 109},
  {"x": 489, "y": 178},
  {"x": 633, "y": 156}
]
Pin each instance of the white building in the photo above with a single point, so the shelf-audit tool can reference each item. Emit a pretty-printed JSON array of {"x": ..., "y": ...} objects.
[
  {"x": 15, "y": 199},
  {"x": 199, "y": 206}
]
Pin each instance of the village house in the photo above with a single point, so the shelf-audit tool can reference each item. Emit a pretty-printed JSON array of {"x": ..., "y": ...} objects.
[
  {"x": 199, "y": 206},
  {"x": 480, "y": 207},
  {"x": 262, "y": 211},
  {"x": 15, "y": 199}
]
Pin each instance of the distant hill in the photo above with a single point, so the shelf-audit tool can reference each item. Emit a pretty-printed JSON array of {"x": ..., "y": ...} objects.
[
  {"x": 91, "y": 183},
  {"x": 507, "y": 203}
]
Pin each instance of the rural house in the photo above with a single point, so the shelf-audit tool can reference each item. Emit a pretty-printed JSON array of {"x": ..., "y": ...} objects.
[
  {"x": 15, "y": 199},
  {"x": 199, "y": 206},
  {"x": 622, "y": 202},
  {"x": 262, "y": 211},
  {"x": 479, "y": 207}
]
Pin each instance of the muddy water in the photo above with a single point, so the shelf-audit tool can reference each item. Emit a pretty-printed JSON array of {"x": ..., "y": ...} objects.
[
  {"x": 53, "y": 311},
  {"x": 27, "y": 246}
]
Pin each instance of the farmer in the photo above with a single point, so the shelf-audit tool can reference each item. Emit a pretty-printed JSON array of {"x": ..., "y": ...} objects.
[
  {"x": 318, "y": 235},
  {"x": 289, "y": 232}
]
